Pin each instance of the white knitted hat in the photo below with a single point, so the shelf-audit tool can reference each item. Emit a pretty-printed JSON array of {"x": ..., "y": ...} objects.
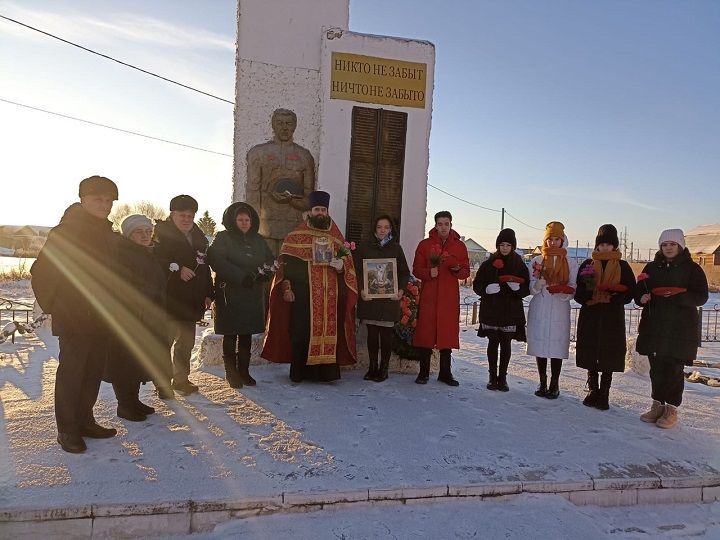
[
  {"x": 134, "y": 221},
  {"x": 673, "y": 235}
]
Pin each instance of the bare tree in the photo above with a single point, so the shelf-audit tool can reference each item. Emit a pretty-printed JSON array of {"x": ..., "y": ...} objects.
[{"x": 145, "y": 208}]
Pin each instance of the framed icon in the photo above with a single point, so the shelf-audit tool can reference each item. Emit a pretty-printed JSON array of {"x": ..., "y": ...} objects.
[
  {"x": 322, "y": 250},
  {"x": 380, "y": 278}
]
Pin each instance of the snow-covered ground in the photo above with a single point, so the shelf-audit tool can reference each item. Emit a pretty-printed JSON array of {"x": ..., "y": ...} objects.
[{"x": 280, "y": 437}]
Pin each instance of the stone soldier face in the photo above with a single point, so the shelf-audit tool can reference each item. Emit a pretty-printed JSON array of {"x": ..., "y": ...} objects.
[{"x": 283, "y": 126}]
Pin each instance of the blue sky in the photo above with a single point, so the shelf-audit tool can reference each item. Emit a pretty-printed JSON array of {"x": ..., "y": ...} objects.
[{"x": 582, "y": 111}]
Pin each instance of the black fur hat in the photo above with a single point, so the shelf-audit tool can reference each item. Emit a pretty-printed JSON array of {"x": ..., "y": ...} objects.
[
  {"x": 506, "y": 235},
  {"x": 607, "y": 234}
]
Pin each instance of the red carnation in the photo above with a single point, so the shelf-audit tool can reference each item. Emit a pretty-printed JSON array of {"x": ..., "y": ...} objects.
[{"x": 643, "y": 276}]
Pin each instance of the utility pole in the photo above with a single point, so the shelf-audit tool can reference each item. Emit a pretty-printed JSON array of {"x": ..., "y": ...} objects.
[
  {"x": 502, "y": 219},
  {"x": 632, "y": 250},
  {"x": 649, "y": 254},
  {"x": 625, "y": 244}
]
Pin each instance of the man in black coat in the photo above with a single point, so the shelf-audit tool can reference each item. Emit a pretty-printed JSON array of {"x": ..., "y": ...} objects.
[
  {"x": 182, "y": 247},
  {"x": 73, "y": 279}
]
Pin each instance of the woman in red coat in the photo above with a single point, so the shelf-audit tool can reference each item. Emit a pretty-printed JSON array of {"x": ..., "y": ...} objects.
[{"x": 440, "y": 261}]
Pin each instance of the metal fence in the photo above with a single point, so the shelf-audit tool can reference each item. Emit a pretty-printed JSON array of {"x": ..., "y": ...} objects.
[
  {"x": 18, "y": 312},
  {"x": 708, "y": 328}
]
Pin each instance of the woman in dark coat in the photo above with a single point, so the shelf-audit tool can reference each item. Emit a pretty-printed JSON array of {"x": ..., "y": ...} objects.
[
  {"x": 502, "y": 281},
  {"x": 604, "y": 285},
  {"x": 139, "y": 351},
  {"x": 242, "y": 262},
  {"x": 381, "y": 314},
  {"x": 670, "y": 289}
]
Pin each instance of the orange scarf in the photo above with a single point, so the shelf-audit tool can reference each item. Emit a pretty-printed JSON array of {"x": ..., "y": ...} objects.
[
  {"x": 610, "y": 275},
  {"x": 555, "y": 266}
]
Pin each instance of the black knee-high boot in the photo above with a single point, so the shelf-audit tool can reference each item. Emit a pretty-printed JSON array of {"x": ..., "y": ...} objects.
[
  {"x": 593, "y": 389},
  {"x": 424, "y": 374},
  {"x": 603, "y": 401},
  {"x": 542, "y": 373}
]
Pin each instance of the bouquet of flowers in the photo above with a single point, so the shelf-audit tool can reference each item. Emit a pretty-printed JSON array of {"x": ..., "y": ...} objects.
[
  {"x": 405, "y": 328},
  {"x": 437, "y": 256},
  {"x": 588, "y": 275},
  {"x": 345, "y": 249},
  {"x": 538, "y": 269},
  {"x": 643, "y": 278}
]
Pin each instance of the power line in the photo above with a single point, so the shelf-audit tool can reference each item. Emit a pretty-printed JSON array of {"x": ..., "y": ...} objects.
[
  {"x": 114, "y": 128},
  {"x": 521, "y": 221},
  {"x": 116, "y": 60},
  {"x": 463, "y": 200}
]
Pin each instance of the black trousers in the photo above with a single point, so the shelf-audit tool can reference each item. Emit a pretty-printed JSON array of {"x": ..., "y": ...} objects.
[
  {"x": 233, "y": 344},
  {"x": 77, "y": 381},
  {"x": 667, "y": 377},
  {"x": 182, "y": 340},
  {"x": 502, "y": 342},
  {"x": 382, "y": 336}
]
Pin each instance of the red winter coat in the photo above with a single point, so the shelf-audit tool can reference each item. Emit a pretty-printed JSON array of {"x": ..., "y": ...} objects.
[{"x": 439, "y": 306}]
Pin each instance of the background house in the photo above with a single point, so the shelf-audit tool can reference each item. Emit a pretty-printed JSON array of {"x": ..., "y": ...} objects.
[{"x": 703, "y": 242}]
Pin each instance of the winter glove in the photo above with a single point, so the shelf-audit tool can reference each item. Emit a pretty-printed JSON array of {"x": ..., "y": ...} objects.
[
  {"x": 248, "y": 281},
  {"x": 514, "y": 286},
  {"x": 493, "y": 288},
  {"x": 337, "y": 264}
]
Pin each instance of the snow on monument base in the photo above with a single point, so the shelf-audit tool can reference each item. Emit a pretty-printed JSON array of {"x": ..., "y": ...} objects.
[{"x": 634, "y": 361}]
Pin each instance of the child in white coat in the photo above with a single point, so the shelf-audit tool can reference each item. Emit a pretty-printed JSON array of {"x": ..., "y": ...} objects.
[{"x": 552, "y": 284}]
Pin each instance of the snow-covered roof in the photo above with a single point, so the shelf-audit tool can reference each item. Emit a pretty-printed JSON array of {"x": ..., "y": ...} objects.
[
  {"x": 704, "y": 239},
  {"x": 472, "y": 245}
]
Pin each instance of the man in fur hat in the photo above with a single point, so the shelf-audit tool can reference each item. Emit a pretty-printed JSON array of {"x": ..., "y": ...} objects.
[{"x": 312, "y": 303}]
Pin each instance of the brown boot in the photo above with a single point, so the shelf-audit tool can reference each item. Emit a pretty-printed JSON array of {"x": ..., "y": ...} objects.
[
  {"x": 655, "y": 412},
  {"x": 669, "y": 418}
]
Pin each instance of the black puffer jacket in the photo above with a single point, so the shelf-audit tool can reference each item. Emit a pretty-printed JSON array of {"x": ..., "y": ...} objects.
[
  {"x": 74, "y": 275},
  {"x": 601, "y": 343},
  {"x": 380, "y": 309},
  {"x": 239, "y": 289},
  {"x": 669, "y": 326},
  {"x": 185, "y": 299},
  {"x": 504, "y": 308}
]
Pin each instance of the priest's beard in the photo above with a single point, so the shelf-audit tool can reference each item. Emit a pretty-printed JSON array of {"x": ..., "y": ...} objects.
[{"x": 319, "y": 222}]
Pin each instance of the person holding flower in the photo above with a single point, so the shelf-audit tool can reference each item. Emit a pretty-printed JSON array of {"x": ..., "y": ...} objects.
[
  {"x": 502, "y": 281},
  {"x": 552, "y": 284},
  {"x": 441, "y": 260},
  {"x": 311, "y": 322},
  {"x": 670, "y": 294},
  {"x": 605, "y": 283},
  {"x": 179, "y": 241},
  {"x": 139, "y": 352},
  {"x": 381, "y": 314},
  {"x": 243, "y": 263}
]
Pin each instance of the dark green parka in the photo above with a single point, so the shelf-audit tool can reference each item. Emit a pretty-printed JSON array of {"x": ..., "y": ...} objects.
[
  {"x": 669, "y": 326},
  {"x": 239, "y": 289}
]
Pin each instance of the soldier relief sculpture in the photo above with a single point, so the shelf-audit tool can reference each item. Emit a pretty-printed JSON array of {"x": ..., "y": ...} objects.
[{"x": 280, "y": 174}]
